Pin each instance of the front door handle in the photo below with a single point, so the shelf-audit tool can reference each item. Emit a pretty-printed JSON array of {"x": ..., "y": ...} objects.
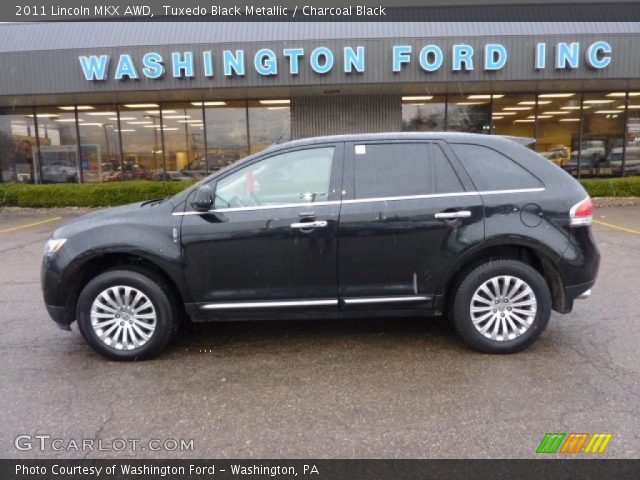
[
  {"x": 305, "y": 225},
  {"x": 458, "y": 214}
]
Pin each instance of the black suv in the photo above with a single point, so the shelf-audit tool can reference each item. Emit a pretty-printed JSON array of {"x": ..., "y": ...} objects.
[{"x": 477, "y": 227}]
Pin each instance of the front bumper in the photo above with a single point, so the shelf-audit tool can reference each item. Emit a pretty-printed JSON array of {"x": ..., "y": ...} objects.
[
  {"x": 59, "y": 315},
  {"x": 53, "y": 292}
]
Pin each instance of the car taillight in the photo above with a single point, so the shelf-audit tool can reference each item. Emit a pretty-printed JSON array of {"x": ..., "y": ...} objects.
[{"x": 582, "y": 213}]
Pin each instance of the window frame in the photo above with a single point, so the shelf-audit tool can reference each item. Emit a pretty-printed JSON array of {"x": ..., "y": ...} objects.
[
  {"x": 350, "y": 167},
  {"x": 335, "y": 177}
]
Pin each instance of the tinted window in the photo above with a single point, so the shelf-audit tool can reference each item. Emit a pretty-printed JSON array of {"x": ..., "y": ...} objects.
[
  {"x": 491, "y": 170},
  {"x": 402, "y": 169},
  {"x": 302, "y": 176}
]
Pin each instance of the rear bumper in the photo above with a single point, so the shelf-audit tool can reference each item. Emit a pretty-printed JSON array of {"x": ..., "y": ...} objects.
[{"x": 575, "y": 292}]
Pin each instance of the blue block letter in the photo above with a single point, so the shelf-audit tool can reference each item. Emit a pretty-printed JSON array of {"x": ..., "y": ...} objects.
[
  {"x": 93, "y": 67},
  {"x": 233, "y": 62},
  {"x": 567, "y": 53},
  {"x": 599, "y": 55},
  {"x": 152, "y": 65},
  {"x": 353, "y": 59},
  {"x": 401, "y": 55},
  {"x": 495, "y": 56},
  {"x": 315, "y": 60},
  {"x": 462, "y": 54},
  {"x": 436, "y": 52},
  {"x": 126, "y": 68},
  {"x": 265, "y": 62}
]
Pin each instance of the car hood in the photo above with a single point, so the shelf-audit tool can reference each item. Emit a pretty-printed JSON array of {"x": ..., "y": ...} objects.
[{"x": 130, "y": 213}]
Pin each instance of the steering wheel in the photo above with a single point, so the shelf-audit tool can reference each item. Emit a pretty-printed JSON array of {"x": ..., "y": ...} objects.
[{"x": 236, "y": 202}]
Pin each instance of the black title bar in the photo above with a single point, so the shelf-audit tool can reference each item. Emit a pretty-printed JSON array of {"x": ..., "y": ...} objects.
[
  {"x": 318, "y": 469},
  {"x": 316, "y": 10}
]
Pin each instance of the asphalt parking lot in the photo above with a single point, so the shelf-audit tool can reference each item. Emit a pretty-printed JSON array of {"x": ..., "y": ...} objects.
[{"x": 366, "y": 389}]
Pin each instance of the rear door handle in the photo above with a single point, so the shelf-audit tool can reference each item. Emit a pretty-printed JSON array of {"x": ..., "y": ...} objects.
[
  {"x": 458, "y": 214},
  {"x": 305, "y": 225}
]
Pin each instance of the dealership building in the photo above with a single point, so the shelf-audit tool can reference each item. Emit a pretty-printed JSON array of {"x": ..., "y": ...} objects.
[{"x": 92, "y": 102}]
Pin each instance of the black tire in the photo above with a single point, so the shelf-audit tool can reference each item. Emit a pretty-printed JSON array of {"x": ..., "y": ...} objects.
[
  {"x": 474, "y": 279},
  {"x": 166, "y": 310}
]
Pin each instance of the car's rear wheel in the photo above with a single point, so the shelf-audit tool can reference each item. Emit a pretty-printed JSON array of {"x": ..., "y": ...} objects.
[
  {"x": 127, "y": 315},
  {"x": 501, "y": 306}
]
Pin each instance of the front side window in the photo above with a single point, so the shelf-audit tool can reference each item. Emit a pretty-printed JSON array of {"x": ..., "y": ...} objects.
[
  {"x": 402, "y": 169},
  {"x": 303, "y": 176}
]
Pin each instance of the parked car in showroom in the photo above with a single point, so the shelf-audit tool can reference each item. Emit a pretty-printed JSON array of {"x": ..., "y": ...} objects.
[
  {"x": 477, "y": 227},
  {"x": 558, "y": 154},
  {"x": 59, "y": 171},
  {"x": 592, "y": 156},
  {"x": 199, "y": 167},
  {"x": 132, "y": 171},
  {"x": 172, "y": 175},
  {"x": 632, "y": 160}
]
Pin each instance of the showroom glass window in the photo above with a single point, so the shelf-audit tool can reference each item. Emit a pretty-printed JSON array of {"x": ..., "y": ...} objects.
[
  {"x": 17, "y": 145},
  {"x": 227, "y": 140},
  {"x": 603, "y": 124},
  {"x": 423, "y": 113},
  {"x": 141, "y": 143},
  {"x": 558, "y": 128},
  {"x": 269, "y": 123},
  {"x": 302, "y": 176},
  {"x": 99, "y": 141},
  {"x": 632, "y": 151},
  {"x": 183, "y": 139},
  {"x": 514, "y": 114},
  {"x": 58, "y": 137},
  {"x": 469, "y": 113}
]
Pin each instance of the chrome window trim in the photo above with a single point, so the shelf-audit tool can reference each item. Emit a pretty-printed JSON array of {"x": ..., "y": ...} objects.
[
  {"x": 367, "y": 200},
  {"x": 442, "y": 195},
  {"x": 362, "y": 300},
  {"x": 268, "y": 304},
  {"x": 261, "y": 207}
]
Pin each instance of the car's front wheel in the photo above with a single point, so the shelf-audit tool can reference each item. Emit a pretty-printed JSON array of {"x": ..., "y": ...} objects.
[
  {"x": 501, "y": 306},
  {"x": 127, "y": 314}
]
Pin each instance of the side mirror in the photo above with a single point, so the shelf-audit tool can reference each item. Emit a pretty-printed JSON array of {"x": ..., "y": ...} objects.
[{"x": 203, "y": 199}]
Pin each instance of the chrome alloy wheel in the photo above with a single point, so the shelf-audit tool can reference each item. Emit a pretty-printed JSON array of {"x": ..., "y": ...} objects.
[
  {"x": 123, "y": 317},
  {"x": 503, "y": 308}
]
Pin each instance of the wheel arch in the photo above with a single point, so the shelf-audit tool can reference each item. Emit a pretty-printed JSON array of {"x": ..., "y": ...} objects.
[
  {"x": 90, "y": 267},
  {"x": 505, "y": 248}
]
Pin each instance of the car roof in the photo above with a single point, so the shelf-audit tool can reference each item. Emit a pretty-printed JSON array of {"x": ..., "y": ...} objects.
[{"x": 453, "y": 137}]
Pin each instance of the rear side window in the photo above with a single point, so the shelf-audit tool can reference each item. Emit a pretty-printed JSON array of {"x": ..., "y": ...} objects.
[
  {"x": 491, "y": 170},
  {"x": 402, "y": 169}
]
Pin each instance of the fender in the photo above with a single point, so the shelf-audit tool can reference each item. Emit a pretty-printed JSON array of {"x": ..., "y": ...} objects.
[
  {"x": 170, "y": 266},
  {"x": 101, "y": 234},
  {"x": 492, "y": 242}
]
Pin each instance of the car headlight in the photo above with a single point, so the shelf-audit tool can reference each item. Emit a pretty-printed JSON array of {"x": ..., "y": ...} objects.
[{"x": 53, "y": 245}]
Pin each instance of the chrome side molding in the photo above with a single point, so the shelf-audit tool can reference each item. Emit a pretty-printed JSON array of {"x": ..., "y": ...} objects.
[
  {"x": 365, "y": 300},
  {"x": 268, "y": 304},
  {"x": 313, "y": 303}
]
